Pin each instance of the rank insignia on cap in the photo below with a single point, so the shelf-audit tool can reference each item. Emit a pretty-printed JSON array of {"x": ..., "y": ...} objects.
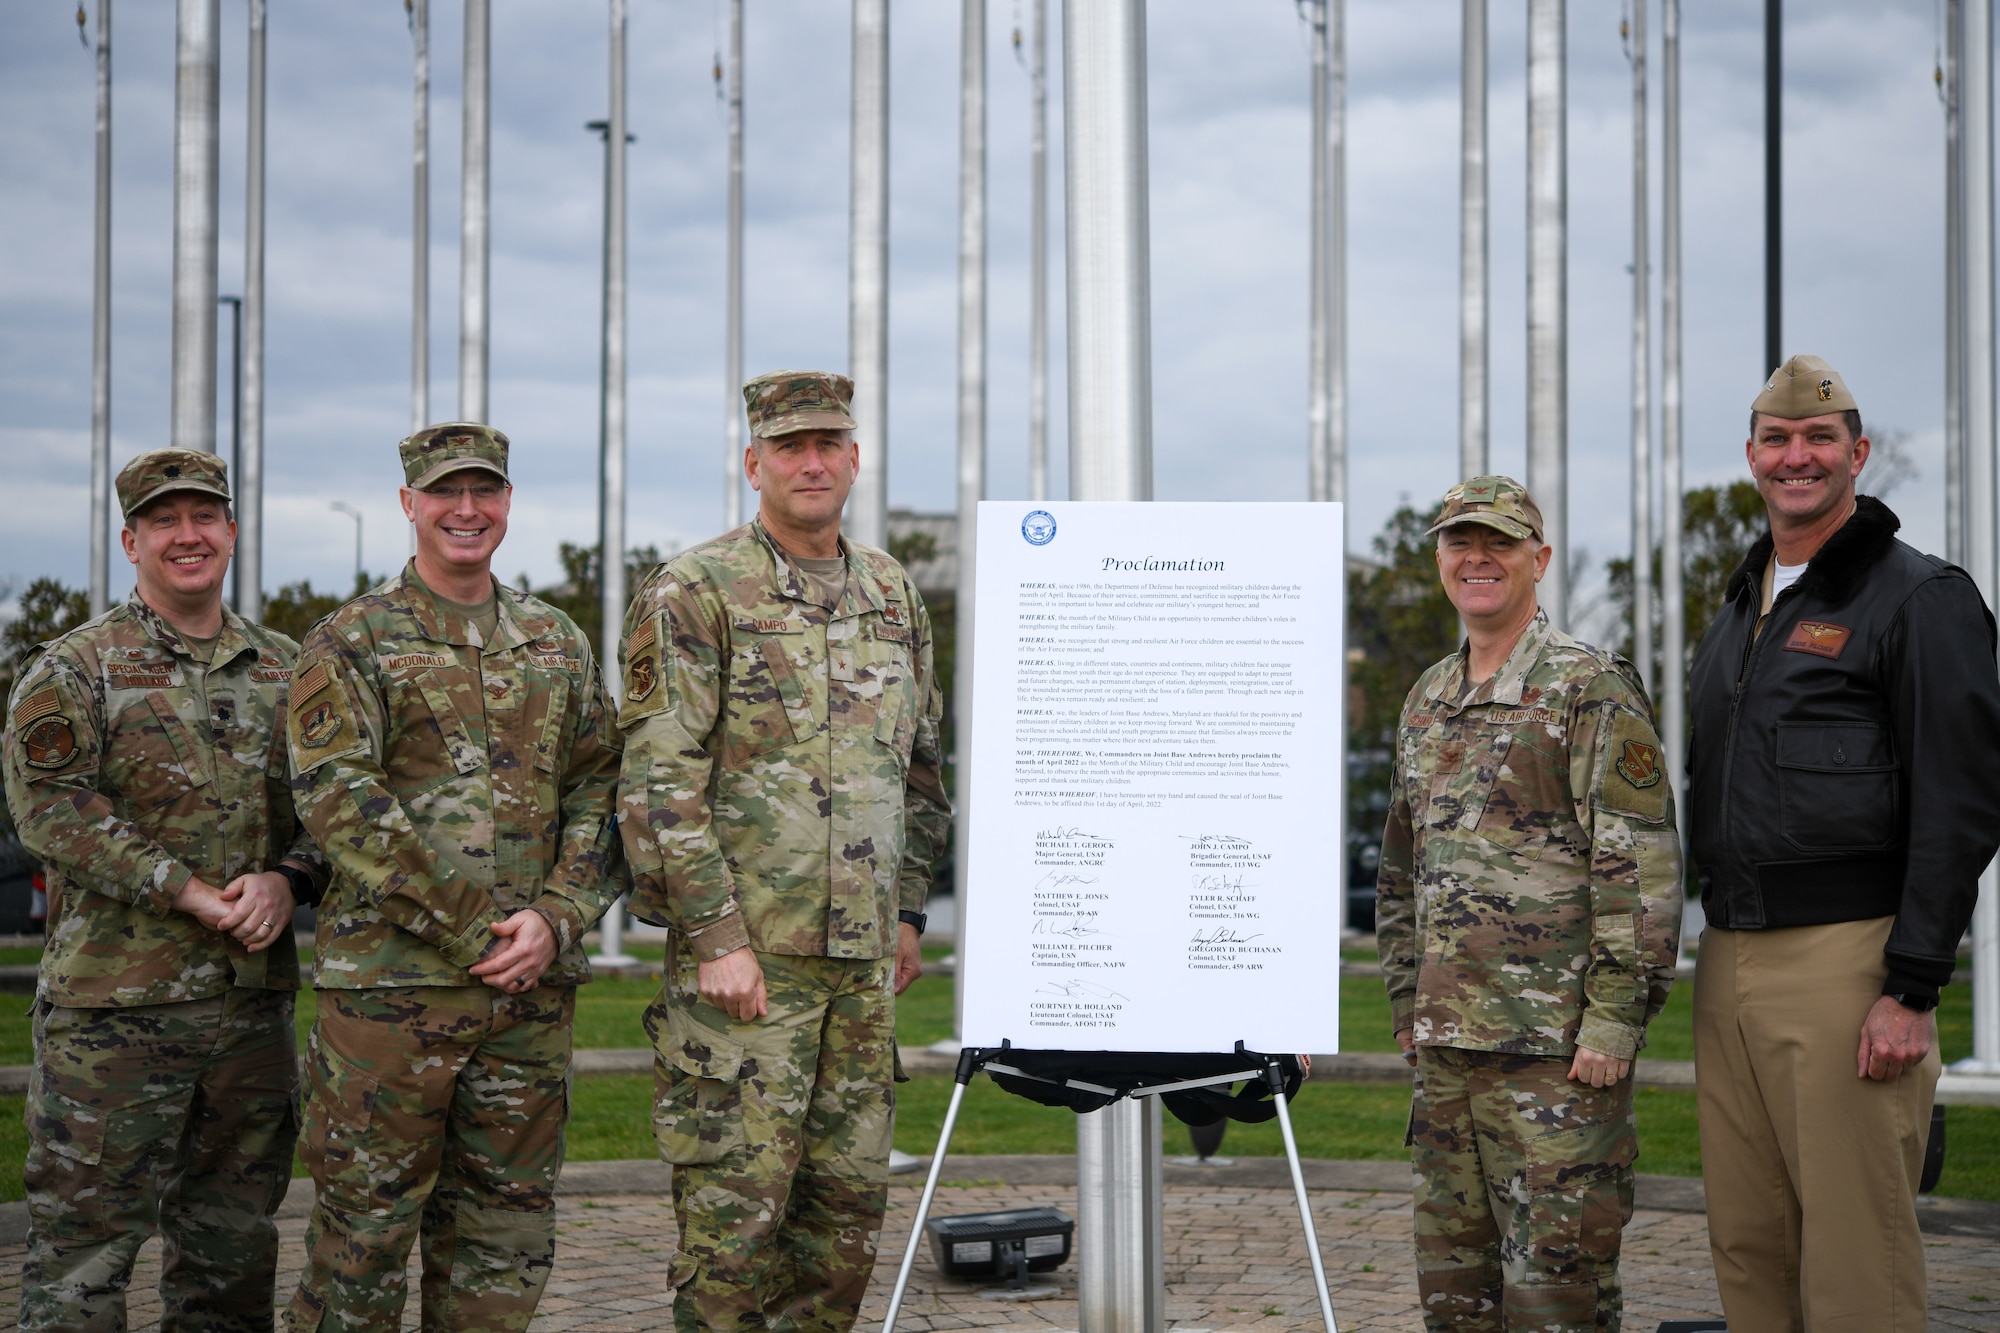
[
  {"x": 1818, "y": 638},
  {"x": 1484, "y": 492},
  {"x": 1639, "y": 765},
  {"x": 1825, "y": 390},
  {"x": 50, "y": 742},
  {"x": 173, "y": 470}
]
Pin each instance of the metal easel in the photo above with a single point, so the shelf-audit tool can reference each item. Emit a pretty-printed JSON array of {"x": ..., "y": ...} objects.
[{"x": 973, "y": 1059}]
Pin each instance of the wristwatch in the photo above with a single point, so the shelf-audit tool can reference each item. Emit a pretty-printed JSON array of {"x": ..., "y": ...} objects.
[
  {"x": 917, "y": 919},
  {"x": 1922, "y": 1004},
  {"x": 303, "y": 892}
]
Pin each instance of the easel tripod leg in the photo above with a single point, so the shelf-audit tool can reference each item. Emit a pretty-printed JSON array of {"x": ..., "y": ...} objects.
[
  {"x": 1299, "y": 1188},
  {"x": 924, "y": 1209}
]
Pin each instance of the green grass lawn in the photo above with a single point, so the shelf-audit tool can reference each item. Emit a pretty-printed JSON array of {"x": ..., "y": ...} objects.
[{"x": 611, "y": 1117}]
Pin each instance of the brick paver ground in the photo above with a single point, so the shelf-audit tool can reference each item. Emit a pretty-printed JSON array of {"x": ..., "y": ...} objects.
[{"x": 1235, "y": 1261}]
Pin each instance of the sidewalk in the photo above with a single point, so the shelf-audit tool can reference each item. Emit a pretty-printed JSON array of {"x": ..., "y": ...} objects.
[{"x": 1235, "y": 1259}]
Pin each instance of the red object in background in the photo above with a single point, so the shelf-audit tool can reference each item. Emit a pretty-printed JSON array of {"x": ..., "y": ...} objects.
[{"x": 38, "y": 903}]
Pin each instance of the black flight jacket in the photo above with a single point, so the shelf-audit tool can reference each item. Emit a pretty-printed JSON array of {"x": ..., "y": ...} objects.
[{"x": 1842, "y": 764}]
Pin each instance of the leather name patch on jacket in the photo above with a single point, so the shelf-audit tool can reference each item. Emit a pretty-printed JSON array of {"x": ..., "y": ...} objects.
[{"x": 1819, "y": 638}]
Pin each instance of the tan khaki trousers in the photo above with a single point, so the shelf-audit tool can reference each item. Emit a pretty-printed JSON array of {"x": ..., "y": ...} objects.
[{"x": 1811, "y": 1172}]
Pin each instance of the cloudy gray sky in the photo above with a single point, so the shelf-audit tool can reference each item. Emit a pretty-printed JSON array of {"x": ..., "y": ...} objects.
[{"x": 1229, "y": 160}]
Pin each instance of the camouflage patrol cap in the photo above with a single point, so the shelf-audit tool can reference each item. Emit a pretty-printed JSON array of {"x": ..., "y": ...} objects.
[
  {"x": 162, "y": 471},
  {"x": 436, "y": 450},
  {"x": 785, "y": 401},
  {"x": 1804, "y": 386},
  {"x": 1501, "y": 503}
]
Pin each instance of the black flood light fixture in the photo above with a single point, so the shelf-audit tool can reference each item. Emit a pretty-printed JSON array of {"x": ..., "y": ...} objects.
[{"x": 1009, "y": 1244}]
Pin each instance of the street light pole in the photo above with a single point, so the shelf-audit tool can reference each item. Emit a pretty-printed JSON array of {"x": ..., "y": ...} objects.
[
  {"x": 1642, "y": 365},
  {"x": 1982, "y": 545},
  {"x": 249, "y": 472},
  {"x": 611, "y": 431},
  {"x": 235, "y": 304},
  {"x": 1774, "y": 175},
  {"x": 1122, "y": 1229},
  {"x": 1038, "y": 258},
  {"x": 1548, "y": 294},
  {"x": 196, "y": 154},
  {"x": 341, "y": 507},
  {"x": 420, "y": 222},
  {"x": 475, "y": 206},
  {"x": 868, "y": 271},
  {"x": 100, "y": 335},
  {"x": 971, "y": 409},
  {"x": 1473, "y": 251},
  {"x": 732, "y": 335},
  {"x": 1673, "y": 599}
]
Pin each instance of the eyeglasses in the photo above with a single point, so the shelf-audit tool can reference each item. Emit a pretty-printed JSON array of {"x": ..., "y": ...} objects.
[{"x": 480, "y": 494}]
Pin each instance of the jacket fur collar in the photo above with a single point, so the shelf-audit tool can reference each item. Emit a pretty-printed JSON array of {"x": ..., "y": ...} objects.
[{"x": 1836, "y": 572}]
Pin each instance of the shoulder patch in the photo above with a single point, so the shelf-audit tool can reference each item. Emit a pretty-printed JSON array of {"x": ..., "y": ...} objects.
[
  {"x": 49, "y": 742},
  {"x": 37, "y": 705},
  {"x": 321, "y": 721},
  {"x": 310, "y": 683},
  {"x": 646, "y": 668},
  {"x": 1635, "y": 773}
]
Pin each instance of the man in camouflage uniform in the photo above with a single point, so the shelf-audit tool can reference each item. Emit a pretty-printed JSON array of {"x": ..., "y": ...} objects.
[
  {"x": 1528, "y": 913},
  {"x": 144, "y": 766},
  {"x": 452, "y": 749},
  {"x": 781, "y": 806}
]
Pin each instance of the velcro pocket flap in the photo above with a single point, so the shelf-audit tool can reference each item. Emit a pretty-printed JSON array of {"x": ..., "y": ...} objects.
[
  {"x": 192, "y": 758},
  {"x": 1571, "y": 1159},
  {"x": 1836, "y": 747},
  {"x": 465, "y": 756},
  {"x": 549, "y": 745}
]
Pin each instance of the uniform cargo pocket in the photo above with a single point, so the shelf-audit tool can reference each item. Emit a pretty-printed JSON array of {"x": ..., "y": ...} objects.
[
  {"x": 1580, "y": 1193},
  {"x": 65, "y": 1183},
  {"x": 697, "y": 1092},
  {"x": 340, "y": 1114},
  {"x": 1837, "y": 787}
]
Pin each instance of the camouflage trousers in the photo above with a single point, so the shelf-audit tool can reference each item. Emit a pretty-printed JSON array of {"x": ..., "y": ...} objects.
[
  {"x": 780, "y": 1131},
  {"x": 436, "y": 1113},
  {"x": 178, "y": 1118},
  {"x": 1524, "y": 1186}
]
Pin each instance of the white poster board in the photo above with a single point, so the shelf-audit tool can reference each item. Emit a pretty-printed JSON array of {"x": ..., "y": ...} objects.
[{"x": 1154, "y": 845}]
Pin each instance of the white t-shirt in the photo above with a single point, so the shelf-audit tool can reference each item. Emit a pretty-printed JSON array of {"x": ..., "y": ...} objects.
[{"x": 1783, "y": 578}]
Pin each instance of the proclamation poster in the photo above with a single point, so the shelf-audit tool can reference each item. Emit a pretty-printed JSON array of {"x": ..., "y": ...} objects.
[{"x": 1156, "y": 780}]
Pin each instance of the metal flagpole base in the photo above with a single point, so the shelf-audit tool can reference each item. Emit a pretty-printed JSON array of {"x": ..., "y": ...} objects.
[
  {"x": 1276, "y": 1078},
  {"x": 611, "y": 939}
]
